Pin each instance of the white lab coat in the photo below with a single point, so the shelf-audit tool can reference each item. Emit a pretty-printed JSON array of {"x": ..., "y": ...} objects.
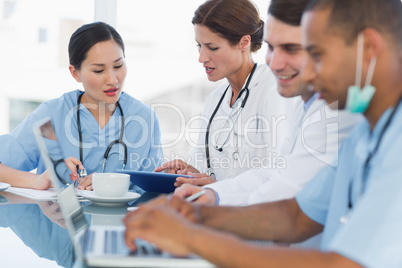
[
  {"x": 312, "y": 144},
  {"x": 257, "y": 133}
]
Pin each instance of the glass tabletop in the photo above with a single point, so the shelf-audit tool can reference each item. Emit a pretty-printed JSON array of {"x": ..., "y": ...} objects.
[
  {"x": 29, "y": 237},
  {"x": 33, "y": 233}
]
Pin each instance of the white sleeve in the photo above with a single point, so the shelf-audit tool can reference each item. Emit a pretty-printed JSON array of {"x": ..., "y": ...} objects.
[
  {"x": 287, "y": 183},
  {"x": 317, "y": 145},
  {"x": 236, "y": 191}
]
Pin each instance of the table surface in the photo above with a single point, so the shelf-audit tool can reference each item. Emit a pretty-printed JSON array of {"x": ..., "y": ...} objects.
[{"x": 32, "y": 233}]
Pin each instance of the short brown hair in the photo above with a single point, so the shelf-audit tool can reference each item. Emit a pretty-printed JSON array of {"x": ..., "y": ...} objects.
[
  {"x": 232, "y": 19},
  {"x": 349, "y": 17},
  {"x": 288, "y": 11}
]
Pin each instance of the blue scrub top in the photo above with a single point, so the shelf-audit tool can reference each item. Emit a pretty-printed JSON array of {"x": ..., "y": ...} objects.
[
  {"x": 141, "y": 134},
  {"x": 372, "y": 237}
]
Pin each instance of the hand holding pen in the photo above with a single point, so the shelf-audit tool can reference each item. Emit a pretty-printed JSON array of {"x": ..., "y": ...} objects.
[
  {"x": 73, "y": 165},
  {"x": 195, "y": 196},
  {"x": 78, "y": 173}
]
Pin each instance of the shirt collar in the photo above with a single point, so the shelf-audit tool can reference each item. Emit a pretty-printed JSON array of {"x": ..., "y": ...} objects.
[{"x": 308, "y": 103}]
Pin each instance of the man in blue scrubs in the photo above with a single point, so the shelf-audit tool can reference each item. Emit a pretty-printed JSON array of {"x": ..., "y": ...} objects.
[{"x": 355, "y": 63}]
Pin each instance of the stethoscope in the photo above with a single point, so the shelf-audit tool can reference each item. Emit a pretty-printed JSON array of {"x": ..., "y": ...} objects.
[
  {"x": 83, "y": 172},
  {"x": 345, "y": 218},
  {"x": 246, "y": 91}
]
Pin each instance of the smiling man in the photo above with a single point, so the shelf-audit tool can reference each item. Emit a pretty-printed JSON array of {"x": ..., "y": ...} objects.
[{"x": 358, "y": 204}]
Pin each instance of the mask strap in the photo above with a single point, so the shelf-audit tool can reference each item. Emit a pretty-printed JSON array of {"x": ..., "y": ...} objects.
[
  {"x": 359, "y": 63},
  {"x": 370, "y": 71}
]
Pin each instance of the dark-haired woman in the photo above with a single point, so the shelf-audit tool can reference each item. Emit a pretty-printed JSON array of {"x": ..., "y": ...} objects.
[
  {"x": 243, "y": 120},
  {"x": 88, "y": 123}
]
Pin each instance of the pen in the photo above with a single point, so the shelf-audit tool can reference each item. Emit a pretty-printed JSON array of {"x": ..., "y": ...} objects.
[
  {"x": 82, "y": 173},
  {"x": 195, "y": 196}
]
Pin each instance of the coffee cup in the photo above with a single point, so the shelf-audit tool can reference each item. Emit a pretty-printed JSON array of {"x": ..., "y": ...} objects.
[{"x": 110, "y": 184}]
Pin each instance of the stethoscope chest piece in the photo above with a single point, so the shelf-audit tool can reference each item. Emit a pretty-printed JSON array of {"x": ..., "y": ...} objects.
[
  {"x": 235, "y": 155},
  {"x": 345, "y": 218}
]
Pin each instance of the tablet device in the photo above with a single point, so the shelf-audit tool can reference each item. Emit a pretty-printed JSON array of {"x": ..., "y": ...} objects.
[{"x": 158, "y": 182}]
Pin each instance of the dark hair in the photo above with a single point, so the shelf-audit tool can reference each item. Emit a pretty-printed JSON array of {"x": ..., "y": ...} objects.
[
  {"x": 86, "y": 37},
  {"x": 232, "y": 19},
  {"x": 349, "y": 17},
  {"x": 288, "y": 11}
]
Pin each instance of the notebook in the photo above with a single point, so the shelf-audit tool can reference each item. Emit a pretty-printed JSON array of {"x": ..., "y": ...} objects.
[{"x": 98, "y": 245}]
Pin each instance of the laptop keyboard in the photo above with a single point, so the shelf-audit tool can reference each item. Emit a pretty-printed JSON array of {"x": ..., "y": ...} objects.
[
  {"x": 145, "y": 249},
  {"x": 115, "y": 244},
  {"x": 87, "y": 241}
]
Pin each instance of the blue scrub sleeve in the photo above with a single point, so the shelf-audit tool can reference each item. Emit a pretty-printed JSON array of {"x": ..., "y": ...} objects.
[
  {"x": 19, "y": 149},
  {"x": 373, "y": 237},
  {"x": 314, "y": 198},
  {"x": 13, "y": 154}
]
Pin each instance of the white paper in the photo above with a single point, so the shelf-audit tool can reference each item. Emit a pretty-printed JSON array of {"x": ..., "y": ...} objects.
[{"x": 41, "y": 195}]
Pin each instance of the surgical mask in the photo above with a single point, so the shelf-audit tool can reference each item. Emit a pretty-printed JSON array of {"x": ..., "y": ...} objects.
[{"x": 358, "y": 99}]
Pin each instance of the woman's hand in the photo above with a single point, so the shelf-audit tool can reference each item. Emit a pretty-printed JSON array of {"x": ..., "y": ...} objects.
[
  {"x": 177, "y": 167},
  {"x": 52, "y": 211},
  {"x": 42, "y": 181},
  {"x": 72, "y": 164},
  {"x": 200, "y": 179},
  {"x": 85, "y": 183}
]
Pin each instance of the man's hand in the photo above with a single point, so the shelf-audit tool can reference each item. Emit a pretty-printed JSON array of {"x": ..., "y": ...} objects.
[
  {"x": 186, "y": 209},
  {"x": 162, "y": 226},
  {"x": 187, "y": 189}
]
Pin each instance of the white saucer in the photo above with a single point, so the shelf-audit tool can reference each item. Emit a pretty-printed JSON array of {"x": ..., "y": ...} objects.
[
  {"x": 4, "y": 186},
  {"x": 109, "y": 201}
]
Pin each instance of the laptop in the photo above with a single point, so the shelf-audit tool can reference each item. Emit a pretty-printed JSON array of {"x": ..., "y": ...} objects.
[{"x": 98, "y": 245}]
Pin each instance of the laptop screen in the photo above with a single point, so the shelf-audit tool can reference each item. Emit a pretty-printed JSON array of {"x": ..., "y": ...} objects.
[
  {"x": 52, "y": 155},
  {"x": 60, "y": 177}
]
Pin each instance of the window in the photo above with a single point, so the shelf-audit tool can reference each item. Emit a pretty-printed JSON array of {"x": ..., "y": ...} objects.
[
  {"x": 19, "y": 109},
  {"x": 161, "y": 54}
]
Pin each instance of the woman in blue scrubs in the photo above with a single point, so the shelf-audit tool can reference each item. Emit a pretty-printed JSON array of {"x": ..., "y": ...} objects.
[{"x": 100, "y": 129}]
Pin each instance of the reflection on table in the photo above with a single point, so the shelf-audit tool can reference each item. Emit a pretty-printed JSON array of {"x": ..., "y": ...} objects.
[{"x": 40, "y": 226}]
